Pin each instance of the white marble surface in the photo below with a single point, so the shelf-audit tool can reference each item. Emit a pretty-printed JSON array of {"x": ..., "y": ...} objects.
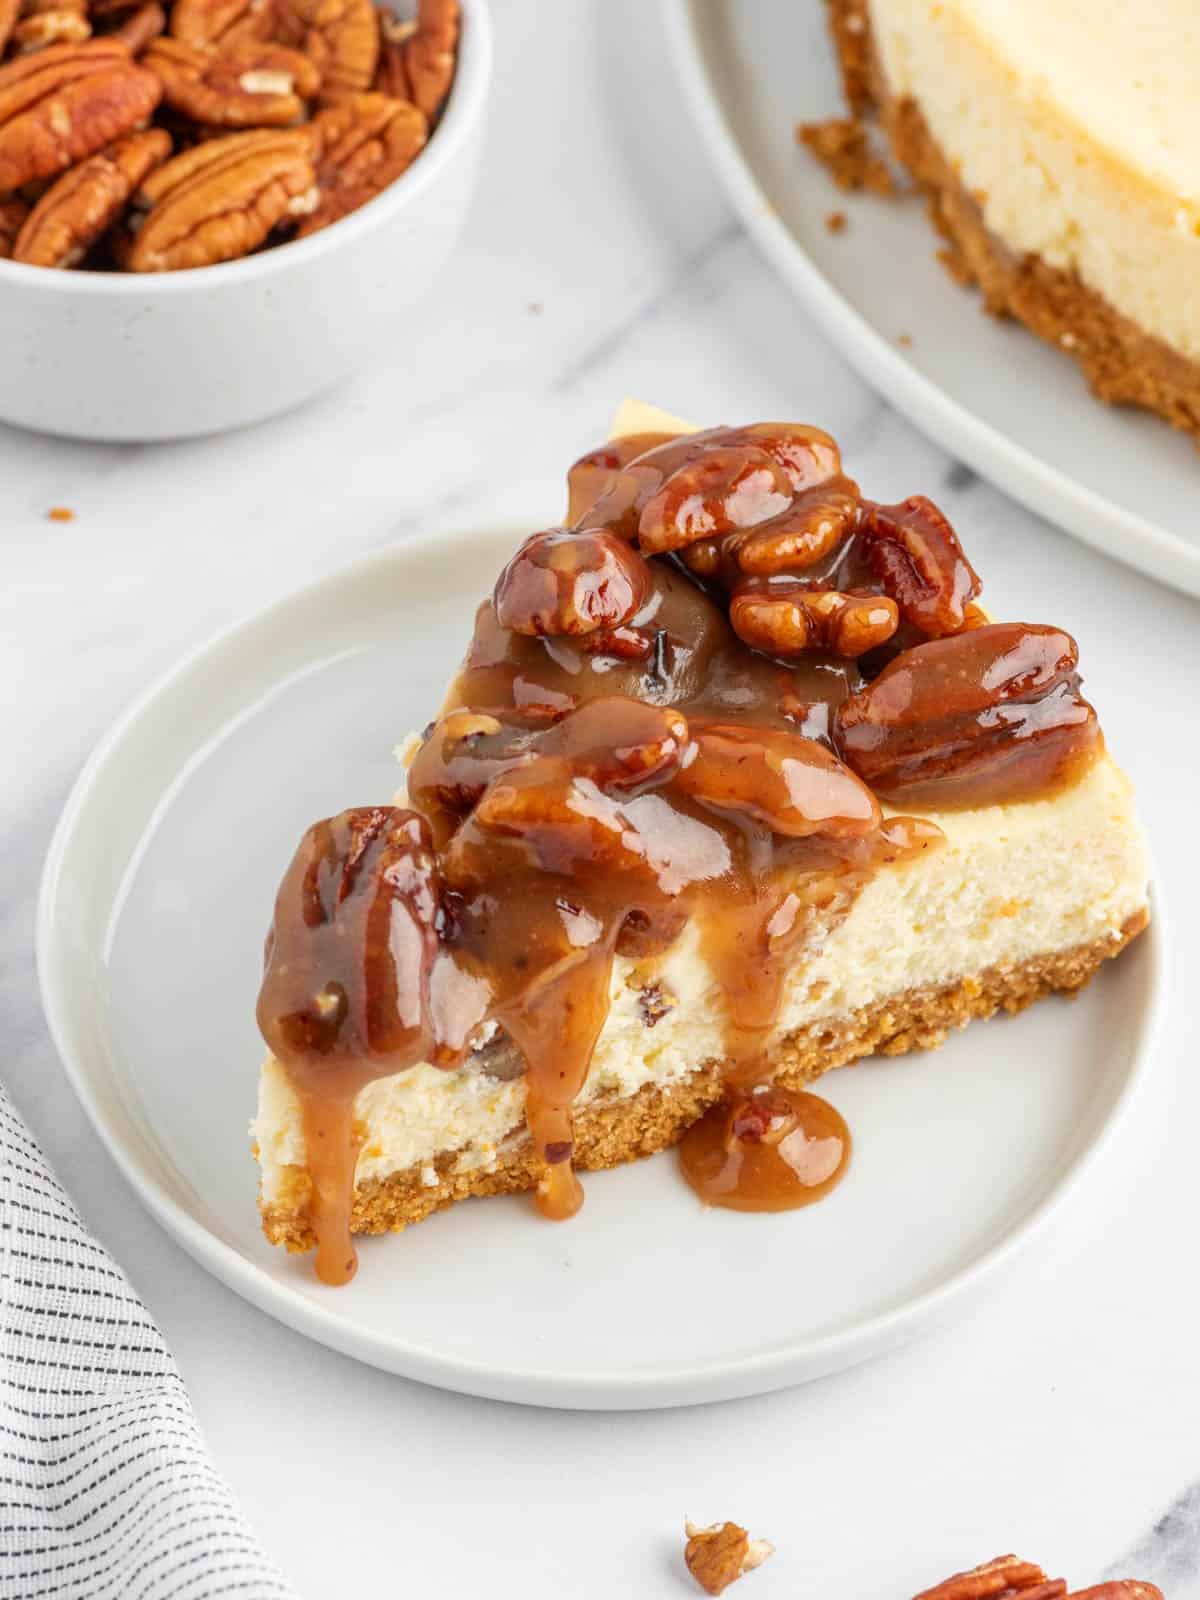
[{"x": 1063, "y": 1419}]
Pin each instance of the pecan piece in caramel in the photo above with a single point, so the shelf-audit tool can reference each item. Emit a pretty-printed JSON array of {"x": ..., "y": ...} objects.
[
  {"x": 810, "y": 529},
  {"x": 990, "y": 715},
  {"x": 787, "y": 618},
  {"x": 561, "y": 583},
  {"x": 722, "y": 488},
  {"x": 340, "y": 36},
  {"x": 915, "y": 554},
  {"x": 366, "y": 141},
  {"x": 429, "y": 54},
  {"x": 789, "y": 784},
  {"x": 64, "y": 103},
  {"x": 248, "y": 84},
  {"x": 85, "y": 202},
  {"x": 808, "y": 455},
  {"x": 220, "y": 200}
]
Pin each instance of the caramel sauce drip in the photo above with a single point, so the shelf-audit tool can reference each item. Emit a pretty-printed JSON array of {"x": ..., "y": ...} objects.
[
  {"x": 771, "y": 1149},
  {"x": 680, "y": 709}
]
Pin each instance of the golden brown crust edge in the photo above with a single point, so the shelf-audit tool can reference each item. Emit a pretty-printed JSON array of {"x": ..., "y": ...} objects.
[
  {"x": 1123, "y": 365},
  {"x": 611, "y": 1132}
]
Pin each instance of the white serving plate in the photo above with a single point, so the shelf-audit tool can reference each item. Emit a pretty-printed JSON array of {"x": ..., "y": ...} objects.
[
  {"x": 1011, "y": 407},
  {"x": 156, "y": 896}
]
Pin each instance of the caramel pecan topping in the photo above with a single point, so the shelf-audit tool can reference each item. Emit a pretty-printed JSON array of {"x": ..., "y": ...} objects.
[
  {"x": 787, "y": 618},
  {"x": 718, "y": 1556},
  {"x": 989, "y": 715},
  {"x": 340, "y": 36},
  {"x": 917, "y": 557},
  {"x": 572, "y": 584},
  {"x": 65, "y": 103},
  {"x": 247, "y": 84},
  {"x": 12, "y": 216},
  {"x": 353, "y": 941},
  {"x": 365, "y": 141},
  {"x": 429, "y": 54},
  {"x": 220, "y": 200},
  {"x": 84, "y": 203}
]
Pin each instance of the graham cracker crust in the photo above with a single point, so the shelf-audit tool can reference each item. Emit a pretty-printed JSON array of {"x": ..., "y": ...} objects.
[
  {"x": 608, "y": 1133},
  {"x": 1123, "y": 365}
]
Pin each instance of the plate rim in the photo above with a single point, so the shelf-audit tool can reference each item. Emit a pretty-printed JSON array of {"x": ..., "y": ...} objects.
[
  {"x": 763, "y": 1371},
  {"x": 1016, "y": 471}
]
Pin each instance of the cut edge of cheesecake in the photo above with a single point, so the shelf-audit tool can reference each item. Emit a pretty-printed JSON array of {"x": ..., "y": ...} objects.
[
  {"x": 1123, "y": 363},
  {"x": 1007, "y": 911}
]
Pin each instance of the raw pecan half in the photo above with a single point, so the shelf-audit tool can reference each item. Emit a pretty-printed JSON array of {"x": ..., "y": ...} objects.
[
  {"x": 340, "y": 36},
  {"x": 140, "y": 26},
  {"x": 248, "y": 84},
  {"x": 429, "y": 54},
  {"x": 786, "y": 619},
  {"x": 365, "y": 142},
  {"x": 9, "y": 11},
  {"x": 220, "y": 200},
  {"x": 391, "y": 75},
  {"x": 47, "y": 22},
  {"x": 990, "y": 715},
  {"x": 12, "y": 217},
  {"x": 1006, "y": 1575},
  {"x": 85, "y": 202},
  {"x": 205, "y": 22},
  {"x": 65, "y": 103},
  {"x": 915, "y": 554}
]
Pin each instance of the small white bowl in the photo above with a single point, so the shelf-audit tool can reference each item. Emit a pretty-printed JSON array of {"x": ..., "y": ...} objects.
[{"x": 163, "y": 356}]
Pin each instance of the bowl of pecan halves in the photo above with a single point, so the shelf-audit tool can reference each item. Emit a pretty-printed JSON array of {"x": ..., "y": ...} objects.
[{"x": 210, "y": 210}]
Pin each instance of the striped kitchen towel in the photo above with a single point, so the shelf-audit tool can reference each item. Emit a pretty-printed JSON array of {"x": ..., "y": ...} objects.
[{"x": 106, "y": 1488}]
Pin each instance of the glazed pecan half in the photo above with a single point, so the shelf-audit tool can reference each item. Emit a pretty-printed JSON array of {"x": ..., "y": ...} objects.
[
  {"x": 220, "y": 200},
  {"x": 786, "y": 619},
  {"x": 65, "y": 103},
  {"x": 915, "y": 554},
  {"x": 247, "y": 84},
  {"x": 85, "y": 202},
  {"x": 989, "y": 715},
  {"x": 365, "y": 142}
]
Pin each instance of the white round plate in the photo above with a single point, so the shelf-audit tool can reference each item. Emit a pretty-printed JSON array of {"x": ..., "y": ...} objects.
[
  {"x": 156, "y": 896},
  {"x": 1004, "y": 402}
]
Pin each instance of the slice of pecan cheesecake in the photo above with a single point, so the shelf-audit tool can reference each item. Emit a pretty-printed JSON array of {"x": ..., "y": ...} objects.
[{"x": 737, "y": 783}]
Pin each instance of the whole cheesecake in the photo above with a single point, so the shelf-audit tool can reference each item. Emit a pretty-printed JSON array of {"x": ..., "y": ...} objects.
[
  {"x": 1059, "y": 145},
  {"x": 738, "y": 783}
]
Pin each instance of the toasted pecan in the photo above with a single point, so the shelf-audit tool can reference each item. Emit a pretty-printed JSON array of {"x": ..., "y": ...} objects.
[
  {"x": 365, "y": 143},
  {"x": 221, "y": 199},
  {"x": 429, "y": 54},
  {"x": 63, "y": 104},
  {"x": 205, "y": 22},
  {"x": 340, "y": 36},
  {"x": 84, "y": 203}
]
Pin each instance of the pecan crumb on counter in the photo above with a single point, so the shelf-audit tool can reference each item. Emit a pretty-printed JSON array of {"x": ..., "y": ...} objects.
[
  {"x": 836, "y": 222},
  {"x": 842, "y": 145},
  {"x": 60, "y": 514},
  {"x": 720, "y": 1555}
]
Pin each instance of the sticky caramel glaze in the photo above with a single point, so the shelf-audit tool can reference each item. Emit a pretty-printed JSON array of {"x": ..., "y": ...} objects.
[
  {"x": 613, "y": 763},
  {"x": 770, "y": 1150}
]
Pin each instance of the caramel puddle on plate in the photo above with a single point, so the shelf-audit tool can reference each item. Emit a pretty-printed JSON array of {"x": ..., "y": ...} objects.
[{"x": 766, "y": 1150}]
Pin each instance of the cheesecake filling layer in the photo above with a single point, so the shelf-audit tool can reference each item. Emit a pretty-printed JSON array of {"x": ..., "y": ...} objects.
[
  {"x": 1079, "y": 143},
  {"x": 1010, "y": 882}
]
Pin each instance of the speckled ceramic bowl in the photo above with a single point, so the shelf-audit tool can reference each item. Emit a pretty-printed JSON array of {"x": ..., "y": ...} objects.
[{"x": 138, "y": 357}]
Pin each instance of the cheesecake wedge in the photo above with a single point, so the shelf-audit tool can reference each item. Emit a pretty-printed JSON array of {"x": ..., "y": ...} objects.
[{"x": 738, "y": 783}]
